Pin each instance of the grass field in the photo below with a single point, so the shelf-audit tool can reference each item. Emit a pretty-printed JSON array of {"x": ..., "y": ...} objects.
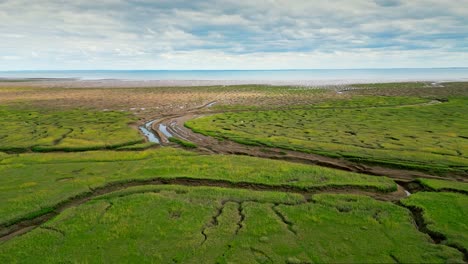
[
  {"x": 207, "y": 225},
  {"x": 64, "y": 130},
  {"x": 430, "y": 137},
  {"x": 183, "y": 143},
  {"x": 419, "y": 89},
  {"x": 444, "y": 213},
  {"x": 341, "y": 101},
  {"x": 441, "y": 185},
  {"x": 32, "y": 184}
]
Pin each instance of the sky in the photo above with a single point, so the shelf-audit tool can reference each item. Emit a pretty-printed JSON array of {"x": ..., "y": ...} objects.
[{"x": 232, "y": 34}]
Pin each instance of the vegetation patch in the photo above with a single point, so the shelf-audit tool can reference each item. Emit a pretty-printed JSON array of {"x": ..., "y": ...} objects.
[
  {"x": 371, "y": 101},
  {"x": 356, "y": 101},
  {"x": 206, "y": 224},
  {"x": 441, "y": 185},
  {"x": 47, "y": 179},
  {"x": 428, "y": 137},
  {"x": 140, "y": 146},
  {"x": 64, "y": 130},
  {"x": 424, "y": 89},
  {"x": 444, "y": 214},
  {"x": 183, "y": 143}
]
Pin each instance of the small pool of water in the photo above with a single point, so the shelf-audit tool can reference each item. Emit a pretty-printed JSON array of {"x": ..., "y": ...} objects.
[
  {"x": 146, "y": 130},
  {"x": 163, "y": 129}
]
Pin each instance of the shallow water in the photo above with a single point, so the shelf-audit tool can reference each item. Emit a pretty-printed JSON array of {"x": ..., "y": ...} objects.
[
  {"x": 146, "y": 130},
  {"x": 163, "y": 129},
  {"x": 316, "y": 76}
]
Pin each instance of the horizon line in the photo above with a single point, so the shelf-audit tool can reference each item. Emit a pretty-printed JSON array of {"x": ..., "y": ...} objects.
[{"x": 286, "y": 69}]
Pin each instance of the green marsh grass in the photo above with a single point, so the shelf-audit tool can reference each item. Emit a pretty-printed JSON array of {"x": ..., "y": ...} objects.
[
  {"x": 429, "y": 137},
  {"x": 183, "y": 143},
  {"x": 31, "y": 182},
  {"x": 140, "y": 146},
  {"x": 207, "y": 224},
  {"x": 444, "y": 213},
  {"x": 64, "y": 130},
  {"x": 441, "y": 185}
]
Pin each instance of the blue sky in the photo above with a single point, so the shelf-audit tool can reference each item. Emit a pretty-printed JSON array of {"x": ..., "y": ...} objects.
[{"x": 232, "y": 34}]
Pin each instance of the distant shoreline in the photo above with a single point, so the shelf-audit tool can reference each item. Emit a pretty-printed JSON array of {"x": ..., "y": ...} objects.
[
  {"x": 309, "y": 78},
  {"x": 116, "y": 83}
]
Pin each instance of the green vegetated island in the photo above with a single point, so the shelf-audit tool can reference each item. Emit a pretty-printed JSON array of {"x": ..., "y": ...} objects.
[
  {"x": 83, "y": 185},
  {"x": 429, "y": 135}
]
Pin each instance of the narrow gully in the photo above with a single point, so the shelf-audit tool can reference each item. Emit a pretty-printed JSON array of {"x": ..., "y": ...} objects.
[{"x": 21, "y": 226}]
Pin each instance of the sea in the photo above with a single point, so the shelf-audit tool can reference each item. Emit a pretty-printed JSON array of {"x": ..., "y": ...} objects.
[{"x": 315, "y": 76}]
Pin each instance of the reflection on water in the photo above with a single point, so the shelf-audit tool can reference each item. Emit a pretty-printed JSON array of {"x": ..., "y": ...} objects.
[
  {"x": 163, "y": 129},
  {"x": 211, "y": 104},
  {"x": 146, "y": 130},
  {"x": 257, "y": 76}
]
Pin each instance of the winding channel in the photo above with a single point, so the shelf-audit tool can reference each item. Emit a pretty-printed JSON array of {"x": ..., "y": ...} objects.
[
  {"x": 148, "y": 132},
  {"x": 173, "y": 126},
  {"x": 160, "y": 130}
]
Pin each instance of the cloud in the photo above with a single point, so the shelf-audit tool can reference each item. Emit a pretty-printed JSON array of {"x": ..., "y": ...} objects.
[
  {"x": 7, "y": 58},
  {"x": 115, "y": 34},
  {"x": 388, "y": 3}
]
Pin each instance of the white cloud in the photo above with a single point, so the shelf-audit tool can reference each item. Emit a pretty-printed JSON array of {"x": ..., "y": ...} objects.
[
  {"x": 214, "y": 34},
  {"x": 11, "y": 57}
]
